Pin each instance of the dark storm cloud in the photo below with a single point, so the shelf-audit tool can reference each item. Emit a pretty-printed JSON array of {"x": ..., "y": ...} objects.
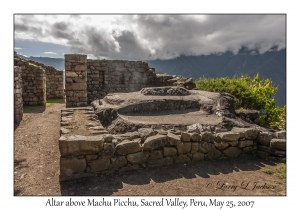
[
  {"x": 157, "y": 36},
  {"x": 130, "y": 47},
  {"x": 21, "y": 27},
  {"x": 185, "y": 34},
  {"x": 95, "y": 42},
  {"x": 60, "y": 26},
  {"x": 60, "y": 30}
]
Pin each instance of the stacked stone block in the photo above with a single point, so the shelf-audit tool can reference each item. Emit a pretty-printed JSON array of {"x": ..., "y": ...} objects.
[
  {"x": 76, "y": 80},
  {"x": 110, "y": 76},
  {"x": 34, "y": 83},
  {"x": 18, "y": 102},
  {"x": 272, "y": 145},
  {"x": 54, "y": 81},
  {"x": 147, "y": 147}
]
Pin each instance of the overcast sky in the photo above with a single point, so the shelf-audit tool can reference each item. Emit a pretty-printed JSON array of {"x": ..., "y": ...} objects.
[{"x": 146, "y": 37}]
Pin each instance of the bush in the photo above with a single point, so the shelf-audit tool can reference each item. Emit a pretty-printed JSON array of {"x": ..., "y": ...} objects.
[{"x": 250, "y": 93}]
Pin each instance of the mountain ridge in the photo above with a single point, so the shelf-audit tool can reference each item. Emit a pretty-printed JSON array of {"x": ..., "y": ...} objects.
[{"x": 271, "y": 64}]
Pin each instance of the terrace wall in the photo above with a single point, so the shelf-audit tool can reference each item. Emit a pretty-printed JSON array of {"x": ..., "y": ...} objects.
[
  {"x": 100, "y": 152},
  {"x": 18, "y": 102},
  {"x": 33, "y": 83}
]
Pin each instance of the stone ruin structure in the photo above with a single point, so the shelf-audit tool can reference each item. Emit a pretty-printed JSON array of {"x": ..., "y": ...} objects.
[
  {"x": 87, "y": 80},
  {"x": 121, "y": 115},
  {"x": 34, "y": 83},
  {"x": 18, "y": 105}
]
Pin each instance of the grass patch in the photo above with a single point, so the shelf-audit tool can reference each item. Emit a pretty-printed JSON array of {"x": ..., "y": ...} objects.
[
  {"x": 268, "y": 171},
  {"x": 32, "y": 108},
  {"x": 280, "y": 170},
  {"x": 50, "y": 102},
  {"x": 24, "y": 119}
]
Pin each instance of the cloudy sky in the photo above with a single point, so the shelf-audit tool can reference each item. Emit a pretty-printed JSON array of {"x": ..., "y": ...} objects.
[{"x": 145, "y": 37}]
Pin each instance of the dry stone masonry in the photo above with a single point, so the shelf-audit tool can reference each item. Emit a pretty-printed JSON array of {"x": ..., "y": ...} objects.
[
  {"x": 208, "y": 131},
  {"x": 18, "y": 102},
  {"x": 34, "y": 83},
  {"x": 111, "y": 76},
  {"x": 54, "y": 83},
  {"x": 76, "y": 80}
]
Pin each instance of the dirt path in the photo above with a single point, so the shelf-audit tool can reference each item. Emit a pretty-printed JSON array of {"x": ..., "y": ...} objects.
[{"x": 36, "y": 170}]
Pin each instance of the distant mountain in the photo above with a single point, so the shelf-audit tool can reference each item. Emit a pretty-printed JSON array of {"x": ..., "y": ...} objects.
[
  {"x": 271, "y": 64},
  {"x": 58, "y": 63}
]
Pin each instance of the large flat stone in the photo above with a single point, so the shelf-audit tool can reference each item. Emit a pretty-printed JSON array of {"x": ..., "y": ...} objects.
[
  {"x": 247, "y": 133},
  {"x": 208, "y": 137},
  {"x": 221, "y": 145},
  {"x": 213, "y": 154},
  {"x": 194, "y": 147},
  {"x": 173, "y": 139},
  {"x": 118, "y": 161},
  {"x": 138, "y": 158},
  {"x": 108, "y": 150},
  {"x": 146, "y": 132},
  {"x": 265, "y": 138},
  {"x": 280, "y": 134},
  {"x": 155, "y": 142},
  {"x": 170, "y": 151},
  {"x": 278, "y": 144},
  {"x": 232, "y": 152},
  {"x": 80, "y": 145},
  {"x": 229, "y": 136},
  {"x": 185, "y": 137},
  {"x": 71, "y": 165},
  {"x": 278, "y": 152},
  {"x": 182, "y": 159},
  {"x": 245, "y": 143},
  {"x": 204, "y": 147},
  {"x": 99, "y": 165},
  {"x": 156, "y": 154},
  {"x": 184, "y": 148},
  {"x": 128, "y": 148}
]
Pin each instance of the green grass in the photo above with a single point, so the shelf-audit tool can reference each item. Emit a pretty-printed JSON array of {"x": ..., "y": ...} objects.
[
  {"x": 24, "y": 119},
  {"x": 27, "y": 108},
  {"x": 50, "y": 102},
  {"x": 280, "y": 171},
  {"x": 268, "y": 171}
]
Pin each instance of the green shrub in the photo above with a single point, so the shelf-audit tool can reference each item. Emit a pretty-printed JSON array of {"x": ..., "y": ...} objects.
[{"x": 250, "y": 93}]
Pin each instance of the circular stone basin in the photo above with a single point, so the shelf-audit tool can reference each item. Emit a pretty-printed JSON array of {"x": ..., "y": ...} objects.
[
  {"x": 174, "y": 117},
  {"x": 127, "y": 112}
]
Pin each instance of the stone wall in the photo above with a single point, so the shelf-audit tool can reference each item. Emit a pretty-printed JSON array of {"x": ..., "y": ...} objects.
[
  {"x": 39, "y": 81},
  {"x": 18, "y": 102},
  {"x": 76, "y": 80},
  {"x": 100, "y": 152},
  {"x": 110, "y": 76},
  {"x": 34, "y": 83},
  {"x": 54, "y": 83}
]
